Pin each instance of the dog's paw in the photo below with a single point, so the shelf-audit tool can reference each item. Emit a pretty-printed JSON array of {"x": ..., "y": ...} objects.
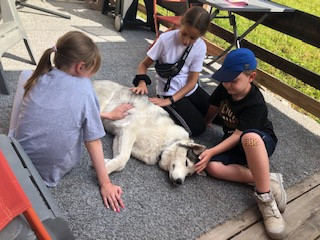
[
  {"x": 203, "y": 174},
  {"x": 106, "y": 160}
]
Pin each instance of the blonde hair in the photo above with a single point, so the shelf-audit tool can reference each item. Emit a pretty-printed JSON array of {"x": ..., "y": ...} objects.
[
  {"x": 197, "y": 17},
  {"x": 71, "y": 48}
]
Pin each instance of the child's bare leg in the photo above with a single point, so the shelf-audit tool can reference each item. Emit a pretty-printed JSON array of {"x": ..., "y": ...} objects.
[
  {"x": 258, "y": 160},
  {"x": 231, "y": 172}
]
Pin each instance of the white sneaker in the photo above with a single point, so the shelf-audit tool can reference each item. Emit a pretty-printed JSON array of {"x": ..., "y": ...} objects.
[
  {"x": 273, "y": 221},
  {"x": 277, "y": 189}
]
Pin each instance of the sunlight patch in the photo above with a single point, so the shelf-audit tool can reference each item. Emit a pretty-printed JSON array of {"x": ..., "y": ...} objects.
[
  {"x": 81, "y": 10},
  {"x": 150, "y": 40},
  {"x": 104, "y": 38},
  {"x": 113, "y": 38}
]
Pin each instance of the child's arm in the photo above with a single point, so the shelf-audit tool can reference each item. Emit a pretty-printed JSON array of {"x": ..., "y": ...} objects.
[
  {"x": 141, "y": 88},
  {"x": 192, "y": 81},
  {"x": 211, "y": 114},
  {"x": 111, "y": 194},
  {"x": 117, "y": 113},
  {"x": 225, "y": 145}
]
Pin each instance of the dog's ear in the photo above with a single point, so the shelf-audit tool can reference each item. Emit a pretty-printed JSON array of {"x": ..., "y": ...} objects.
[
  {"x": 192, "y": 156},
  {"x": 196, "y": 148}
]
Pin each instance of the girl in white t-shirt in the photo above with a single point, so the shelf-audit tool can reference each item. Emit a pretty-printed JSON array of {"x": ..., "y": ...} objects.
[{"x": 183, "y": 98}]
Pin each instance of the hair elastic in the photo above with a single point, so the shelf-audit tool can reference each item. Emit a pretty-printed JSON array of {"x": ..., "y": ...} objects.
[{"x": 55, "y": 48}]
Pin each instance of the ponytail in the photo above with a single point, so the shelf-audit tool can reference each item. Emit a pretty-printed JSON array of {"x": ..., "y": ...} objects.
[
  {"x": 43, "y": 67},
  {"x": 71, "y": 48}
]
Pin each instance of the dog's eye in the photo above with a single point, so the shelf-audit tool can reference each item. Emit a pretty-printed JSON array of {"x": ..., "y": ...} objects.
[
  {"x": 173, "y": 166},
  {"x": 186, "y": 163}
]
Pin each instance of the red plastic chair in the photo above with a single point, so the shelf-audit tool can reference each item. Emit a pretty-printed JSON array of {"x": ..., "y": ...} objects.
[
  {"x": 173, "y": 20},
  {"x": 13, "y": 201}
]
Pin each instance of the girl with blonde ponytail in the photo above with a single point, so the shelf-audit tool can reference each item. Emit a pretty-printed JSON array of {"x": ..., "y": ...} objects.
[
  {"x": 43, "y": 67},
  {"x": 56, "y": 109}
]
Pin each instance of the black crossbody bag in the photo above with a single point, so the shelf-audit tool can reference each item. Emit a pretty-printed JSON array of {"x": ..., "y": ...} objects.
[{"x": 167, "y": 70}]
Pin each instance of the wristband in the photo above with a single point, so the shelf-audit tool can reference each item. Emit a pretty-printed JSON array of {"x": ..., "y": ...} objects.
[
  {"x": 143, "y": 77},
  {"x": 171, "y": 100}
]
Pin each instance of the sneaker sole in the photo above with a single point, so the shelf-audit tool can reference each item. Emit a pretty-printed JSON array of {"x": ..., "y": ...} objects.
[{"x": 277, "y": 236}]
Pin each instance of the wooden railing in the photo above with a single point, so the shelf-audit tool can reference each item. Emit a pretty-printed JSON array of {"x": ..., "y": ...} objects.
[{"x": 297, "y": 24}]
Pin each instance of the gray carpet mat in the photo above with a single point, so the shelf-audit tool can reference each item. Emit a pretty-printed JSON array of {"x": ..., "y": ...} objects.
[{"x": 155, "y": 208}]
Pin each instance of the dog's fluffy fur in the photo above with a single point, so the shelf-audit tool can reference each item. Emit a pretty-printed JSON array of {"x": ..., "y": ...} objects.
[{"x": 147, "y": 133}]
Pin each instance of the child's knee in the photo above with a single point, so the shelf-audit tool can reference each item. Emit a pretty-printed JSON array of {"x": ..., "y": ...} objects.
[{"x": 251, "y": 139}]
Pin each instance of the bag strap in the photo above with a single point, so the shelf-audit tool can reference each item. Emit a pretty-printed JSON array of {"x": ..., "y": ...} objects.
[
  {"x": 180, "y": 64},
  {"x": 166, "y": 87},
  {"x": 184, "y": 57}
]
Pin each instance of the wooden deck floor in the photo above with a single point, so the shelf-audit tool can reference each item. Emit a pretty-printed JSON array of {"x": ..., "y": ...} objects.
[{"x": 302, "y": 217}]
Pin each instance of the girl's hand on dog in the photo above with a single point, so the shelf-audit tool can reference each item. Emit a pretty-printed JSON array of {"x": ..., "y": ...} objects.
[
  {"x": 121, "y": 111},
  {"x": 162, "y": 102},
  {"x": 111, "y": 195},
  {"x": 140, "y": 89},
  {"x": 117, "y": 113}
]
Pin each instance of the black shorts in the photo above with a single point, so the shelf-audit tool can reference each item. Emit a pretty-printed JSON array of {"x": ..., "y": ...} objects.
[
  {"x": 237, "y": 155},
  {"x": 189, "y": 112}
]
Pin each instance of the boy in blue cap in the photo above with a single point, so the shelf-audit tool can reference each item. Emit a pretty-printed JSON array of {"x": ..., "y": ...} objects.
[{"x": 249, "y": 139}]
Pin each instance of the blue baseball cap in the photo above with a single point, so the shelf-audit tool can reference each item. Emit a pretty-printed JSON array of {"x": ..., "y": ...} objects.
[{"x": 237, "y": 61}]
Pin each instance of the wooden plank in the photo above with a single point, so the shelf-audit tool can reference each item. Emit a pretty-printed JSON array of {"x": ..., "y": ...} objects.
[
  {"x": 299, "y": 189},
  {"x": 284, "y": 90},
  {"x": 221, "y": 32},
  {"x": 297, "y": 24},
  {"x": 291, "y": 94},
  {"x": 307, "y": 76},
  {"x": 302, "y": 218},
  {"x": 251, "y": 216},
  {"x": 212, "y": 50},
  {"x": 233, "y": 226}
]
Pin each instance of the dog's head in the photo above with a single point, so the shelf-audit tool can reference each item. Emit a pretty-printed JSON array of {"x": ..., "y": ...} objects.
[{"x": 179, "y": 159}]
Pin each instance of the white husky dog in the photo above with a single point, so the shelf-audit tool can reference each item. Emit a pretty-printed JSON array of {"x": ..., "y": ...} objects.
[{"x": 147, "y": 133}]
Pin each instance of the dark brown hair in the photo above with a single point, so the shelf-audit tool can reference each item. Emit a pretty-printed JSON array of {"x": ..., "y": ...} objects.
[
  {"x": 197, "y": 17},
  {"x": 71, "y": 48}
]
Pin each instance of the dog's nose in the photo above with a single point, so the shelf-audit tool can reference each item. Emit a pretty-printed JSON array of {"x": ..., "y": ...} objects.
[{"x": 178, "y": 181}]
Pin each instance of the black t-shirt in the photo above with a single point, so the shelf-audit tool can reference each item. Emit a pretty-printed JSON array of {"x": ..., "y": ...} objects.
[{"x": 251, "y": 112}]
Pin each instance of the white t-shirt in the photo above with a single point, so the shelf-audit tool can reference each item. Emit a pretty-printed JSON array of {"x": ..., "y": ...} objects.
[{"x": 168, "y": 49}]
